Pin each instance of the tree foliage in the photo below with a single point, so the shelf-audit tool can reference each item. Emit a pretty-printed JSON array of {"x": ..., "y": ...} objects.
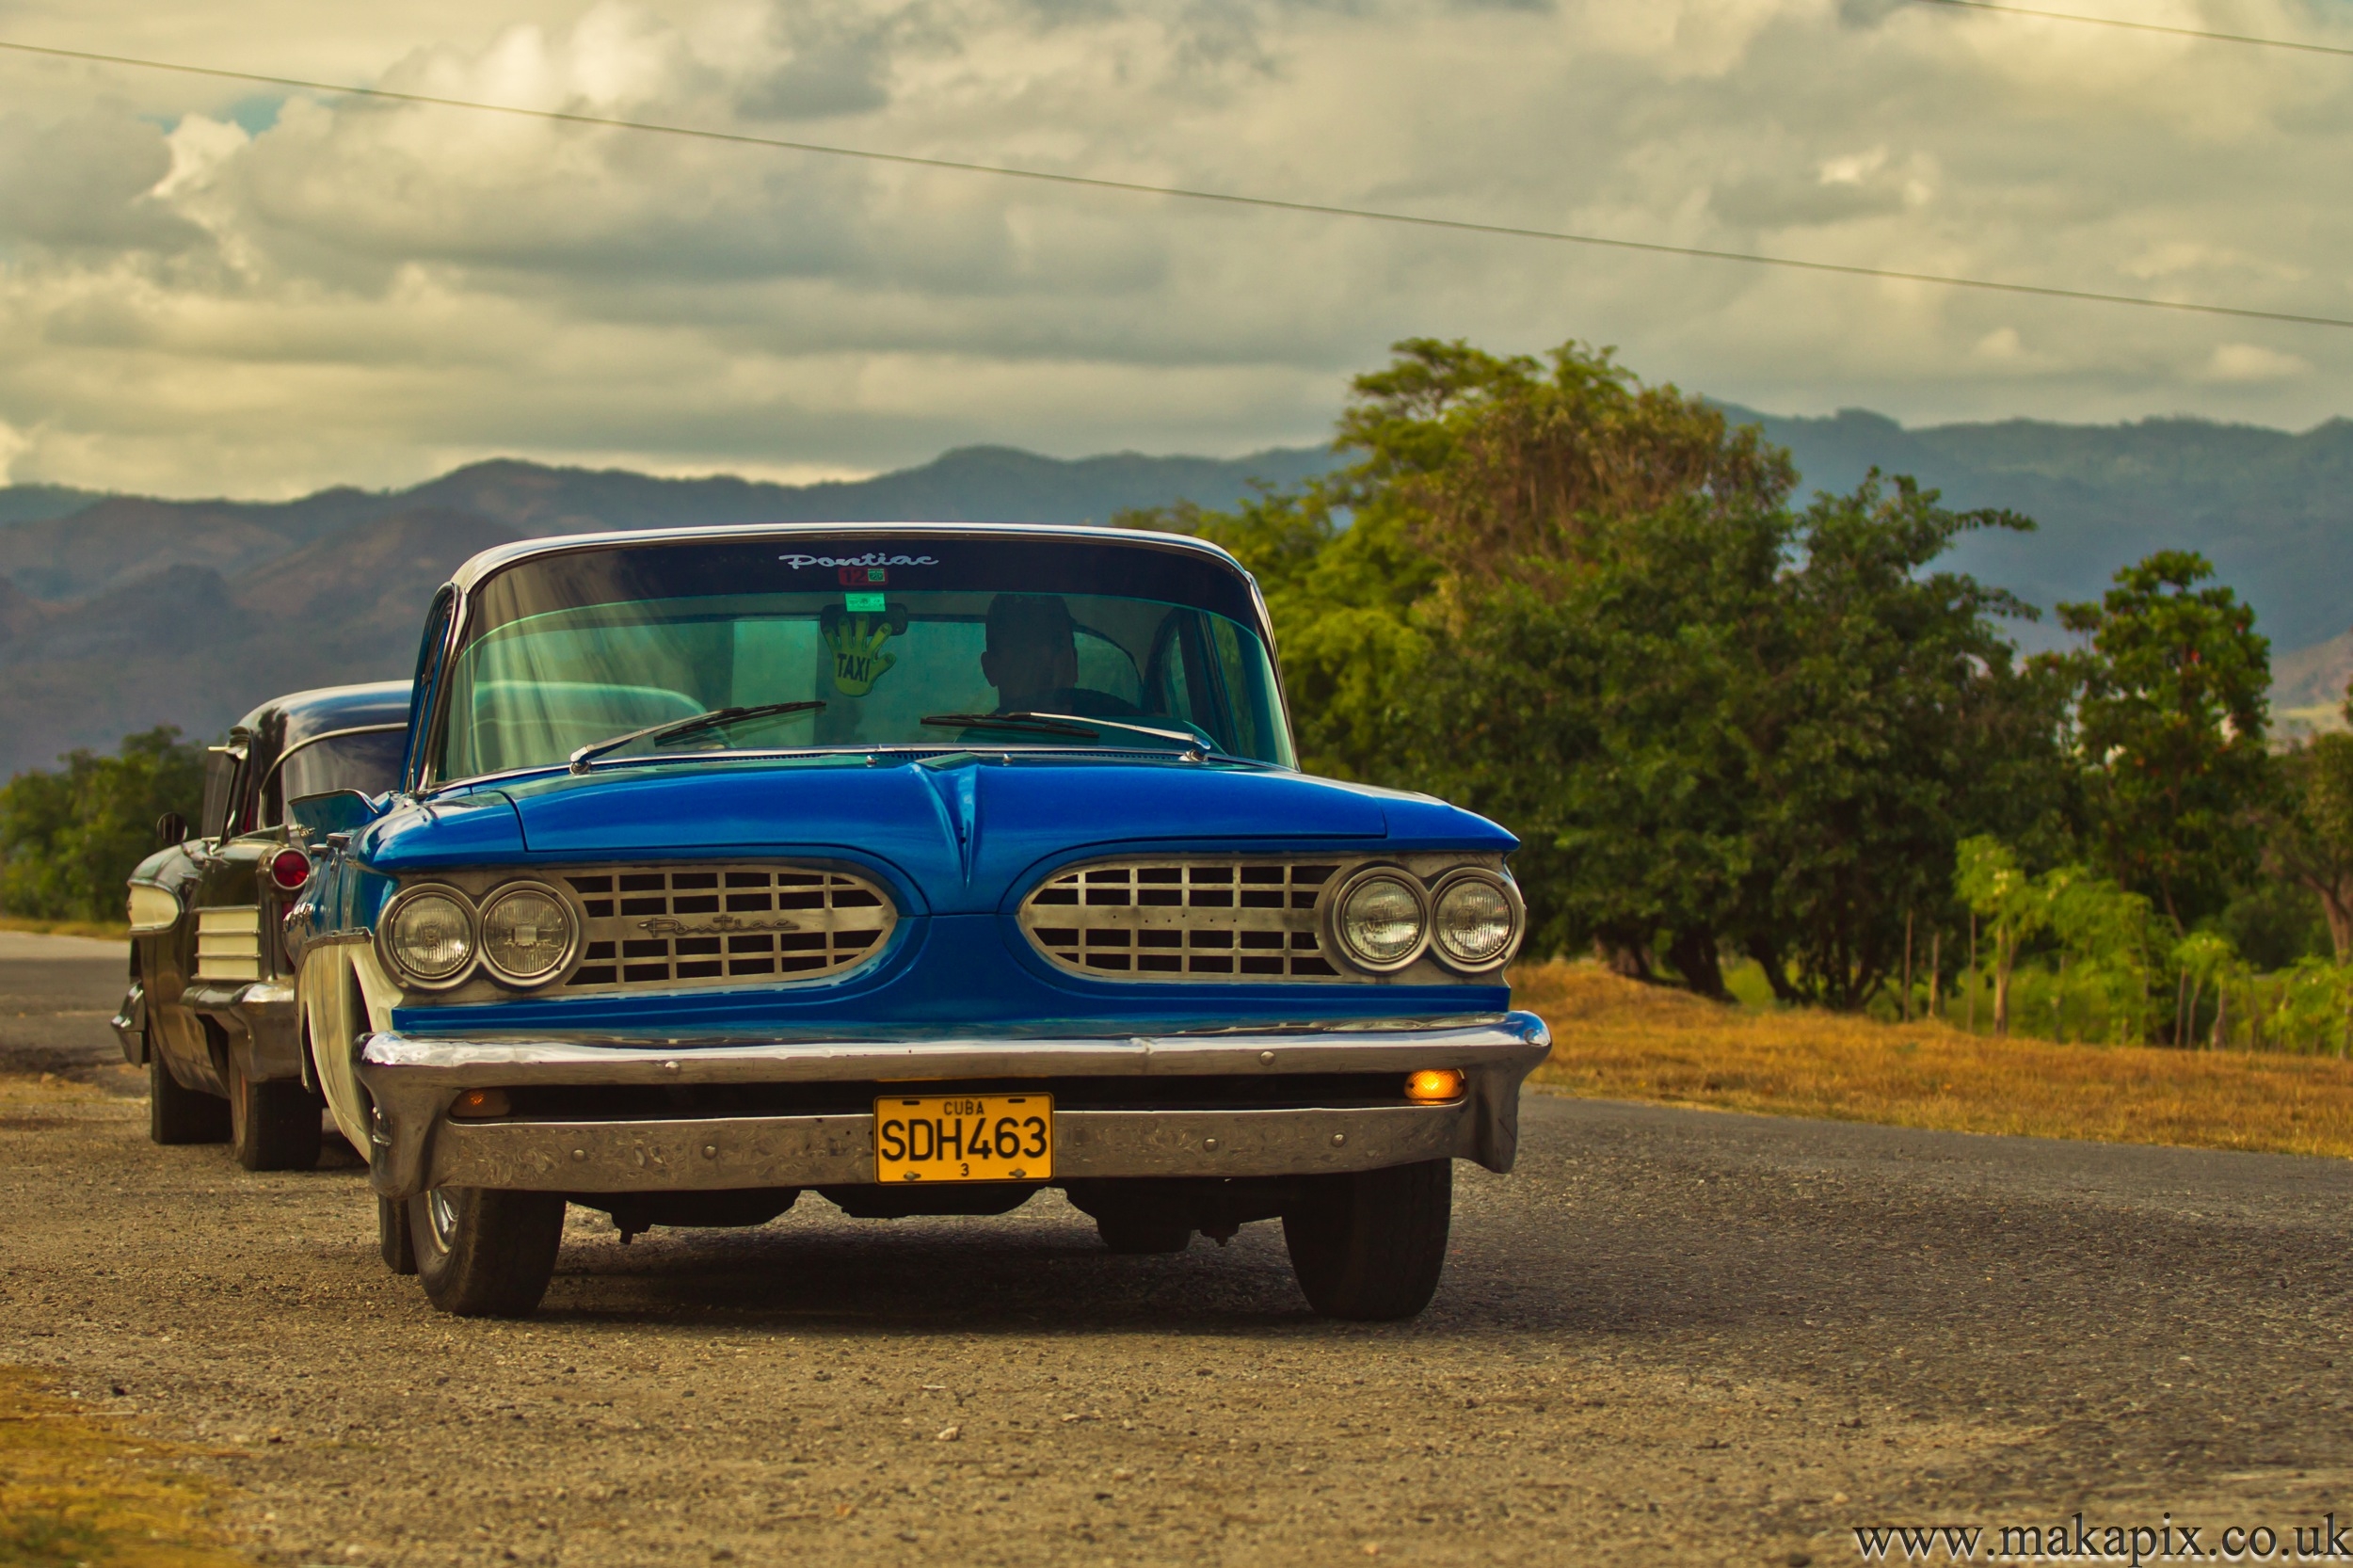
[
  {"x": 69, "y": 838},
  {"x": 2308, "y": 837},
  {"x": 1587, "y": 608},
  {"x": 2171, "y": 728}
]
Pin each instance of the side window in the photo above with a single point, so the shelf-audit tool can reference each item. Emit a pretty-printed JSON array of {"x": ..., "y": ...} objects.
[
  {"x": 220, "y": 782},
  {"x": 1245, "y": 681},
  {"x": 1184, "y": 679},
  {"x": 1106, "y": 667},
  {"x": 1172, "y": 693},
  {"x": 365, "y": 761},
  {"x": 428, "y": 680}
]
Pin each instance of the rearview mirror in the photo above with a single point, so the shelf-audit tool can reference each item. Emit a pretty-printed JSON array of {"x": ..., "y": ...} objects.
[
  {"x": 336, "y": 811},
  {"x": 170, "y": 829}
]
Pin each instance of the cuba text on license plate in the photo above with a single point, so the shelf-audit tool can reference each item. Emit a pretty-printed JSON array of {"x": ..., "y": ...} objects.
[{"x": 964, "y": 1138}]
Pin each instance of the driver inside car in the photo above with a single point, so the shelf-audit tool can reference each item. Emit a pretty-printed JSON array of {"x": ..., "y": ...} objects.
[{"x": 1031, "y": 658}]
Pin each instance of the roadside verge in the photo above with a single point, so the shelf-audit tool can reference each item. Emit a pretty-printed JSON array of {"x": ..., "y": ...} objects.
[{"x": 1614, "y": 1038}]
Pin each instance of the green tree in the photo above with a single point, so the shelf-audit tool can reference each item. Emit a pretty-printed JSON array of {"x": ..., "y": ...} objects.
[
  {"x": 2171, "y": 728},
  {"x": 2014, "y": 907},
  {"x": 1610, "y": 715},
  {"x": 1472, "y": 472},
  {"x": 1583, "y": 606},
  {"x": 2308, "y": 833},
  {"x": 1894, "y": 721},
  {"x": 67, "y": 838},
  {"x": 2111, "y": 933}
]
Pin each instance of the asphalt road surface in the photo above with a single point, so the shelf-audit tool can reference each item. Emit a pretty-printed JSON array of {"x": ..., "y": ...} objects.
[{"x": 1670, "y": 1338}]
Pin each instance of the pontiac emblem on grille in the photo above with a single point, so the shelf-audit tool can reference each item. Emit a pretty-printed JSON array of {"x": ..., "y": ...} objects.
[{"x": 718, "y": 925}]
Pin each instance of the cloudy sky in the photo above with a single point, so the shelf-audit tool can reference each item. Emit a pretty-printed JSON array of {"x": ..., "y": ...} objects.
[{"x": 208, "y": 287}]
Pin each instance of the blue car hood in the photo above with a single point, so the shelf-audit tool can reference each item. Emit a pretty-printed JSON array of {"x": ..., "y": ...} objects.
[{"x": 963, "y": 837}]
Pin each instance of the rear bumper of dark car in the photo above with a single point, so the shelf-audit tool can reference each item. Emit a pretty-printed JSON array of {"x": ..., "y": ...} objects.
[
  {"x": 261, "y": 1028},
  {"x": 720, "y": 1115}
]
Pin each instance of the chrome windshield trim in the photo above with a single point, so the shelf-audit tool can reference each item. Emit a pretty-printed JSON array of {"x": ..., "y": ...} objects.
[
  {"x": 871, "y": 753},
  {"x": 499, "y": 557}
]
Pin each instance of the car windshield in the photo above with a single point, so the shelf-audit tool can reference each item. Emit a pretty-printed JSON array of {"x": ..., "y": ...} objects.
[
  {"x": 366, "y": 760},
  {"x": 856, "y": 643}
]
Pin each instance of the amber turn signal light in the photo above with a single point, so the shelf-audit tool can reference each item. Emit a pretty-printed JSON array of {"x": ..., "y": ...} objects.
[
  {"x": 475, "y": 1103},
  {"x": 1433, "y": 1084}
]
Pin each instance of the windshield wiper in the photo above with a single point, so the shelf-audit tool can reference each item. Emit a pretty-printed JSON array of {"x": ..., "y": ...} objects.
[
  {"x": 1033, "y": 724},
  {"x": 677, "y": 729},
  {"x": 1080, "y": 726},
  {"x": 1191, "y": 741}
]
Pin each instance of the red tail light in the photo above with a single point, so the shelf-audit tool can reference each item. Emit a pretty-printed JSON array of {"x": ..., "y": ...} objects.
[{"x": 290, "y": 868}]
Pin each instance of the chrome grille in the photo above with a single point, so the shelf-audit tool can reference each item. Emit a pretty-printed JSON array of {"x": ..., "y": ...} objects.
[
  {"x": 720, "y": 925},
  {"x": 1185, "y": 919}
]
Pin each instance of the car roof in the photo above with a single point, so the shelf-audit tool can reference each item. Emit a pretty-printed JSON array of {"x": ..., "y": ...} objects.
[
  {"x": 501, "y": 556},
  {"x": 326, "y": 708}
]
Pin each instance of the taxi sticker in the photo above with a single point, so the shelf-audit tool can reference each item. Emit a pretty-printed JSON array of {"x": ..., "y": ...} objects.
[{"x": 857, "y": 650}]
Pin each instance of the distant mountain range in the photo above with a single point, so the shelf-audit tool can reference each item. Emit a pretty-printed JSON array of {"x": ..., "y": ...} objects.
[
  {"x": 117, "y": 612},
  {"x": 2273, "y": 511}
]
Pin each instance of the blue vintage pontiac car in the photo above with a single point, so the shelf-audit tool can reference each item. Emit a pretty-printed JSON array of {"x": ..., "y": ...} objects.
[{"x": 923, "y": 866}]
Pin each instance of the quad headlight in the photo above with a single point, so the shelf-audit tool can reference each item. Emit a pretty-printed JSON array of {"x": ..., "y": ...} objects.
[
  {"x": 1381, "y": 919},
  {"x": 1386, "y": 919},
  {"x": 526, "y": 934},
  {"x": 432, "y": 935},
  {"x": 1475, "y": 921},
  {"x": 428, "y": 936}
]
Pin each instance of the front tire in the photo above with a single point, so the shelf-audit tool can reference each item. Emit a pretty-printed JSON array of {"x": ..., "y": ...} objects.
[
  {"x": 486, "y": 1253},
  {"x": 272, "y": 1126},
  {"x": 1369, "y": 1245},
  {"x": 178, "y": 1115}
]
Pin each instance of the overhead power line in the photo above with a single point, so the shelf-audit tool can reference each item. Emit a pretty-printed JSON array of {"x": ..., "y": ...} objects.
[
  {"x": 1231, "y": 198},
  {"x": 2144, "y": 26}
]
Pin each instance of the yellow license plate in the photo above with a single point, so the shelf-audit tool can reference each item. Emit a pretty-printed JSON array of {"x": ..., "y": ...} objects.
[{"x": 964, "y": 1138}]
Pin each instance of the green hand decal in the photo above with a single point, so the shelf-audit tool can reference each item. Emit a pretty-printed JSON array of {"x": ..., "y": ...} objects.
[{"x": 858, "y": 660}]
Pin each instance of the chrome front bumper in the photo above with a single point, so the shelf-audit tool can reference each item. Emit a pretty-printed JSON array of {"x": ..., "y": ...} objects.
[{"x": 416, "y": 1145}]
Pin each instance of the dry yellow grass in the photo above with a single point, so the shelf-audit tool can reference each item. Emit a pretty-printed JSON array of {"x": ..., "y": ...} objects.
[
  {"x": 77, "y": 1488},
  {"x": 1616, "y": 1039},
  {"x": 102, "y": 929}
]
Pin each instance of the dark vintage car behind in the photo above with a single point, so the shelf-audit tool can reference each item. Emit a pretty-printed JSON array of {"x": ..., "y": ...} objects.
[{"x": 211, "y": 1010}]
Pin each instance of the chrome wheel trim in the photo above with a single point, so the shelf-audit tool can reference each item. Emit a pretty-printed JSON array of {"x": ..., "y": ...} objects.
[{"x": 440, "y": 1212}]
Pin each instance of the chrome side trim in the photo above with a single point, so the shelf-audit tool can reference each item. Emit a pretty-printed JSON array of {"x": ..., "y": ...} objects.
[{"x": 413, "y": 1080}]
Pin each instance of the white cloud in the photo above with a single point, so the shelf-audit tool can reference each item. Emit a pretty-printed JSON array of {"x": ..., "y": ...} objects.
[
  {"x": 206, "y": 287},
  {"x": 2252, "y": 362}
]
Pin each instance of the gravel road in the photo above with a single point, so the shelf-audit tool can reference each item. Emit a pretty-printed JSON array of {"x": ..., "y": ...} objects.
[{"x": 1670, "y": 1338}]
